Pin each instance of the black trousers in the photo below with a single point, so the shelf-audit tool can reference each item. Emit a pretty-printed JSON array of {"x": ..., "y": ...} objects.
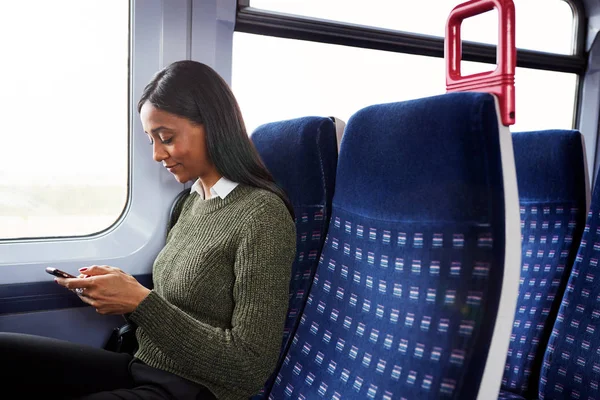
[{"x": 35, "y": 367}]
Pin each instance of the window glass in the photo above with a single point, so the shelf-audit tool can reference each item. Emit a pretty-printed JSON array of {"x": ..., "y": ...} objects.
[
  {"x": 275, "y": 79},
  {"x": 64, "y": 107},
  {"x": 543, "y": 25}
]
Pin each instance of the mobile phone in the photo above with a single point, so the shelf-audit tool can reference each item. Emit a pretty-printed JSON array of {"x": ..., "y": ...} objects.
[{"x": 59, "y": 273}]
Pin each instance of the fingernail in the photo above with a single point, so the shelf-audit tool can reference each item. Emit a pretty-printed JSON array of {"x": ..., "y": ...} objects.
[
  {"x": 56, "y": 280},
  {"x": 82, "y": 269}
]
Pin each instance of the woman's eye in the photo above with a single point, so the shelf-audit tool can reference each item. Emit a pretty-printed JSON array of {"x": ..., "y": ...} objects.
[
  {"x": 150, "y": 141},
  {"x": 166, "y": 141}
]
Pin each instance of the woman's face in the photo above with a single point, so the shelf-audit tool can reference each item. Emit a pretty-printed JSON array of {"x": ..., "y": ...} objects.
[{"x": 177, "y": 143}]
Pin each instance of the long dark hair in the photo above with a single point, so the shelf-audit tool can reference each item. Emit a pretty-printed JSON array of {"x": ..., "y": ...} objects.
[{"x": 195, "y": 91}]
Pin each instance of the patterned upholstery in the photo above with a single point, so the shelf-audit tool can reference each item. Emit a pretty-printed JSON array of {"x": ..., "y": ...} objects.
[
  {"x": 301, "y": 154},
  {"x": 571, "y": 366},
  {"x": 552, "y": 195},
  {"x": 504, "y": 395},
  {"x": 404, "y": 300}
]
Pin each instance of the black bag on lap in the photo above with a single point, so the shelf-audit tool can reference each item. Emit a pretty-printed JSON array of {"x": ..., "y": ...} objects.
[{"x": 122, "y": 339}]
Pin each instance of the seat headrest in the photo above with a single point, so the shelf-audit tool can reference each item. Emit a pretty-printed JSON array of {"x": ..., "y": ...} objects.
[
  {"x": 436, "y": 158},
  {"x": 550, "y": 165},
  {"x": 302, "y": 156}
]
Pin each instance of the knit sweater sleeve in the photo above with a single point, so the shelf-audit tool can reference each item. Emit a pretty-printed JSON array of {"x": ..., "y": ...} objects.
[{"x": 246, "y": 354}]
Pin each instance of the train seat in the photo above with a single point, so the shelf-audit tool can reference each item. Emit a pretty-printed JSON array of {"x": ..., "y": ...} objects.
[
  {"x": 411, "y": 296},
  {"x": 551, "y": 180},
  {"x": 301, "y": 154},
  {"x": 571, "y": 365}
]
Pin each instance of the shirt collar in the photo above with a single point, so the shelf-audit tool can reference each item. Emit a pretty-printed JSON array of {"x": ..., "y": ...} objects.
[{"x": 221, "y": 189}]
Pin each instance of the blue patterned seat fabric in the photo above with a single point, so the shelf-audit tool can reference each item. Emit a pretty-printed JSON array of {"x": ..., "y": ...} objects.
[
  {"x": 552, "y": 197},
  {"x": 571, "y": 366},
  {"x": 505, "y": 395},
  {"x": 301, "y": 154},
  {"x": 404, "y": 300}
]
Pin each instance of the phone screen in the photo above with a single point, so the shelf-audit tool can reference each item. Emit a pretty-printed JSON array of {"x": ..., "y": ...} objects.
[{"x": 59, "y": 273}]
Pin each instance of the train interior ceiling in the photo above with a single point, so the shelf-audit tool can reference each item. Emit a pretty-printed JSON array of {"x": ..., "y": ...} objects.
[{"x": 82, "y": 188}]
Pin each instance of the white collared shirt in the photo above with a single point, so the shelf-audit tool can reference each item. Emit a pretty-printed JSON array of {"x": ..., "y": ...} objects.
[{"x": 222, "y": 188}]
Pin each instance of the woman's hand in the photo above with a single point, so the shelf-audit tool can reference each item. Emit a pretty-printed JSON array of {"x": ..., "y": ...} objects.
[{"x": 109, "y": 290}]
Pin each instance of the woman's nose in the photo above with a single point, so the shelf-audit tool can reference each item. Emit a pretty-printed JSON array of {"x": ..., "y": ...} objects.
[{"x": 159, "y": 152}]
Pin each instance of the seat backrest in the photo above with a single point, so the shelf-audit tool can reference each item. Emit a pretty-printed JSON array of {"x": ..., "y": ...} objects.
[
  {"x": 405, "y": 300},
  {"x": 301, "y": 154},
  {"x": 571, "y": 366},
  {"x": 552, "y": 195}
]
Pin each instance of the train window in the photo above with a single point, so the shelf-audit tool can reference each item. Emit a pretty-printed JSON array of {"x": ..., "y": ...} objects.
[
  {"x": 64, "y": 164},
  {"x": 553, "y": 33},
  {"x": 275, "y": 79},
  {"x": 297, "y": 78},
  {"x": 542, "y": 106}
]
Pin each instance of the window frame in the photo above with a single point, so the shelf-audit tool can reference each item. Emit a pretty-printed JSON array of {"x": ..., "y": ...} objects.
[
  {"x": 270, "y": 23},
  {"x": 579, "y": 46}
]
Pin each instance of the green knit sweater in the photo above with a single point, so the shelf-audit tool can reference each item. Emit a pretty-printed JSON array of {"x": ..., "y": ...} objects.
[{"x": 217, "y": 310}]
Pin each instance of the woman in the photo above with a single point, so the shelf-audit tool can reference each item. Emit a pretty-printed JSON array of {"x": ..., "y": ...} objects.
[{"x": 212, "y": 326}]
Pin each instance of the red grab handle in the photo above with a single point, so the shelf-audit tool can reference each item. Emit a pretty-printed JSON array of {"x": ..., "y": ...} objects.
[{"x": 501, "y": 81}]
